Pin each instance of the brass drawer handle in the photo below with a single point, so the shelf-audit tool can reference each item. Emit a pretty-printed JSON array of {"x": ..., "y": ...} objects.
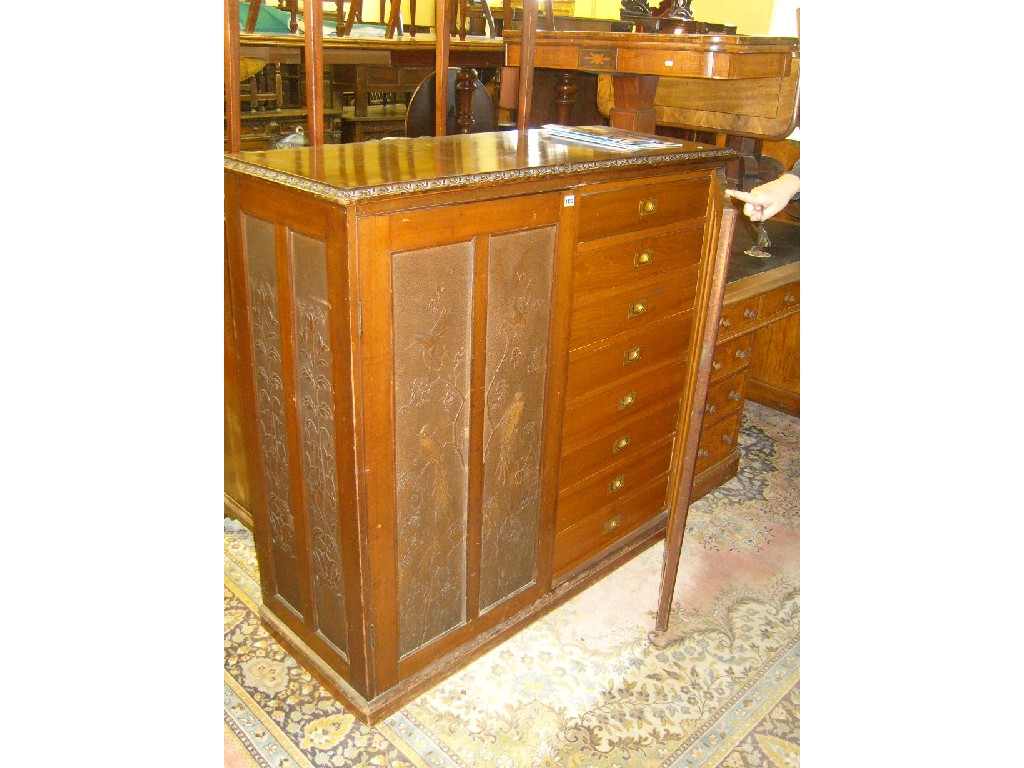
[
  {"x": 648, "y": 206},
  {"x": 638, "y": 308},
  {"x": 612, "y": 524},
  {"x": 616, "y": 484},
  {"x": 725, "y": 322},
  {"x": 742, "y": 354},
  {"x": 789, "y": 298},
  {"x": 703, "y": 453},
  {"x": 711, "y": 409},
  {"x": 643, "y": 258},
  {"x": 727, "y": 439},
  {"x": 716, "y": 365},
  {"x": 734, "y": 395},
  {"x": 750, "y": 313},
  {"x": 631, "y": 355},
  {"x": 622, "y": 442},
  {"x": 627, "y": 400}
]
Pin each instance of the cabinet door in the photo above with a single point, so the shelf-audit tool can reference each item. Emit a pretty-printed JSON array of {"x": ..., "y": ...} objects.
[{"x": 459, "y": 307}]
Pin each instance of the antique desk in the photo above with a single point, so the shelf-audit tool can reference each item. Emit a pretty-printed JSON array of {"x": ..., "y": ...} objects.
[
  {"x": 757, "y": 356},
  {"x": 736, "y": 84},
  {"x": 468, "y": 373}
]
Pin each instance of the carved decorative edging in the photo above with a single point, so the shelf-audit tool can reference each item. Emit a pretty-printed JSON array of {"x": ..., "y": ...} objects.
[{"x": 351, "y": 195}]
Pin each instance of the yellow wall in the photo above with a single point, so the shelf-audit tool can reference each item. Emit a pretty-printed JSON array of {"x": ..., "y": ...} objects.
[{"x": 751, "y": 17}]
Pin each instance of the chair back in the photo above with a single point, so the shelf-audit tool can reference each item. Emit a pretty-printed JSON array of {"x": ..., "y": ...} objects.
[{"x": 420, "y": 119}]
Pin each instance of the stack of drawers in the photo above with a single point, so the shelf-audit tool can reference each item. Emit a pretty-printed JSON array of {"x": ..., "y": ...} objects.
[
  {"x": 634, "y": 286},
  {"x": 743, "y": 313}
]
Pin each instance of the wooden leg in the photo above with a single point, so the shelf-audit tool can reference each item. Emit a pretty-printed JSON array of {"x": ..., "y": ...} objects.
[
  {"x": 565, "y": 97},
  {"x": 465, "y": 85},
  {"x": 634, "y": 102}
]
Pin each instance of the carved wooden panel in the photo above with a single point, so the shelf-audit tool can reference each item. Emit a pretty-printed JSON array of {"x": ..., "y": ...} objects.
[
  {"x": 315, "y": 388},
  {"x": 433, "y": 300},
  {"x": 266, "y": 344},
  {"x": 519, "y": 291}
]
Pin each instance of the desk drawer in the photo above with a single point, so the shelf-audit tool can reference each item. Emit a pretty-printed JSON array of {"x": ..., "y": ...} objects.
[
  {"x": 717, "y": 441},
  {"x": 638, "y": 259},
  {"x": 619, "y": 479},
  {"x": 631, "y": 309},
  {"x": 602, "y": 528},
  {"x": 731, "y": 356},
  {"x": 628, "y": 400},
  {"x": 725, "y": 396},
  {"x": 629, "y": 355},
  {"x": 628, "y": 439},
  {"x": 781, "y": 299},
  {"x": 737, "y": 317},
  {"x": 646, "y": 206}
]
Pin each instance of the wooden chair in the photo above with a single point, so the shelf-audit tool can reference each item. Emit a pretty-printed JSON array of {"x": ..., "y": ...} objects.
[
  {"x": 460, "y": 20},
  {"x": 468, "y": 102}
]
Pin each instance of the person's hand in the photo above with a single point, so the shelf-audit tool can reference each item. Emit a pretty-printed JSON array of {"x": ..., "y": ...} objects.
[{"x": 765, "y": 201}]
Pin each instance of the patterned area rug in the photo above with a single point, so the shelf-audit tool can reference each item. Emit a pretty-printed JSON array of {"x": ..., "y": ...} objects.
[{"x": 590, "y": 684}]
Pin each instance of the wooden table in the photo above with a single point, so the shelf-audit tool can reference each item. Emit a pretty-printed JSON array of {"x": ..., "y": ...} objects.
[
  {"x": 637, "y": 61},
  {"x": 468, "y": 373}
]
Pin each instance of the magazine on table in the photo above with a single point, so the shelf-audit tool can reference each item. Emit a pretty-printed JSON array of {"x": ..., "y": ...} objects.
[{"x": 605, "y": 136}]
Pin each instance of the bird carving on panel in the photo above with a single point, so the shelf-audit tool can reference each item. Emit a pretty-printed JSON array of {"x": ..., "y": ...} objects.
[{"x": 507, "y": 430}]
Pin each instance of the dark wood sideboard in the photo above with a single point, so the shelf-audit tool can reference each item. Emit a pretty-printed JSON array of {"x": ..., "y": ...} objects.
[
  {"x": 466, "y": 373},
  {"x": 757, "y": 356}
]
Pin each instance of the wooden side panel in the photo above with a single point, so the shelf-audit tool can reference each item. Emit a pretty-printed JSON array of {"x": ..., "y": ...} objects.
[
  {"x": 519, "y": 299},
  {"x": 433, "y": 302},
  {"x": 775, "y": 366},
  {"x": 261, "y": 262},
  {"x": 290, "y": 294},
  {"x": 319, "y": 457}
]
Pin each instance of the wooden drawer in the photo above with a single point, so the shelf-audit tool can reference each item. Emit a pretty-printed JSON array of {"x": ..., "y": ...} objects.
[
  {"x": 627, "y": 401},
  {"x": 717, "y": 441},
  {"x": 615, "y": 481},
  {"x": 658, "y": 204},
  {"x": 628, "y": 439},
  {"x": 731, "y": 356},
  {"x": 781, "y": 299},
  {"x": 636, "y": 259},
  {"x": 725, "y": 396},
  {"x": 738, "y": 317},
  {"x": 633, "y": 308},
  {"x": 629, "y": 356},
  {"x": 602, "y": 528}
]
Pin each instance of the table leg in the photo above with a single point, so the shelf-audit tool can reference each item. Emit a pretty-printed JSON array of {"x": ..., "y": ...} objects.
[
  {"x": 634, "y": 102},
  {"x": 565, "y": 97}
]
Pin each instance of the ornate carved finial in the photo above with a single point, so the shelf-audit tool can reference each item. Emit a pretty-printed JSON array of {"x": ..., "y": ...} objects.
[
  {"x": 675, "y": 9},
  {"x": 636, "y": 8}
]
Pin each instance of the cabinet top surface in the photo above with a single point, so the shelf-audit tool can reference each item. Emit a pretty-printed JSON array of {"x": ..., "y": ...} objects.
[{"x": 389, "y": 167}]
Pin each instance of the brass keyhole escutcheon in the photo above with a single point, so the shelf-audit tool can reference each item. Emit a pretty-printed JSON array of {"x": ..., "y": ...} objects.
[
  {"x": 631, "y": 356},
  {"x": 612, "y": 524},
  {"x": 622, "y": 442},
  {"x": 644, "y": 258},
  {"x": 616, "y": 484},
  {"x": 627, "y": 400},
  {"x": 648, "y": 206},
  {"x": 638, "y": 307}
]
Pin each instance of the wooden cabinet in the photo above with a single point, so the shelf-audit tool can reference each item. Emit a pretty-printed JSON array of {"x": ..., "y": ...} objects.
[
  {"x": 465, "y": 377},
  {"x": 757, "y": 356}
]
